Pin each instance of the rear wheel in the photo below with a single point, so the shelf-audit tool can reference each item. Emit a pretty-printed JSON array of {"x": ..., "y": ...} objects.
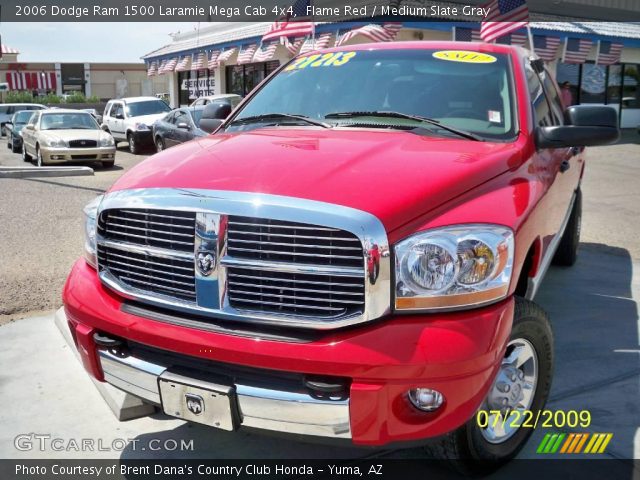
[
  {"x": 567, "y": 252},
  {"x": 523, "y": 382}
]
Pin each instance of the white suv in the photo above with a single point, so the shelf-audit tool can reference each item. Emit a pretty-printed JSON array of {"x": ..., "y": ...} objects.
[{"x": 131, "y": 119}]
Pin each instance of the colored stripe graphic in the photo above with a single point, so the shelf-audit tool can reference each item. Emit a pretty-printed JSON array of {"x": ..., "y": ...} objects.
[{"x": 574, "y": 443}]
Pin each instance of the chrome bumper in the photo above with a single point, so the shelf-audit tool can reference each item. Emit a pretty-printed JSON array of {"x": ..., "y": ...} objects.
[{"x": 278, "y": 410}]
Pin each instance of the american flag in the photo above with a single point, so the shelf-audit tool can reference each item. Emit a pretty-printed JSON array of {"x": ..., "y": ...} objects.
[
  {"x": 170, "y": 66},
  {"x": 213, "y": 60},
  {"x": 152, "y": 69},
  {"x": 576, "y": 50},
  {"x": 292, "y": 25},
  {"x": 245, "y": 55},
  {"x": 374, "y": 32},
  {"x": 185, "y": 64},
  {"x": 226, "y": 54},
  {"x": 321, "y": 42},
  {"x": 546, "y": 47},
  {"x": 608, "y": 53},
  {"x": 504, "y": 17},
  {"x": 200, "y": 61},
  {"x": 162, "y": 66},
  {"x": 265, "y": 52},
  {"x": 292, "y": 47},
  {"x": 462, "y": 34}
]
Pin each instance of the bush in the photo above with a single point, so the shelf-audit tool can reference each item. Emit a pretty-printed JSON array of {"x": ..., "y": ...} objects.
[
  {"x": 76, "y": 98},
  {"x": 93, "y": 99},
  {"x": 18, "y": 97},
  {"x": 48, "y": 99}
]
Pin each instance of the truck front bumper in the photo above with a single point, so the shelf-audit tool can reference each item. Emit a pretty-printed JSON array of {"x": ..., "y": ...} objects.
[{"x": 455, "y": 353}]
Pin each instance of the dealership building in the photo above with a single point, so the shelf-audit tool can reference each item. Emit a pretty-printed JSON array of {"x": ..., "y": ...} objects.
[
  {"x": 227, "y": 58},
  {"x": 104, "y": 80}
]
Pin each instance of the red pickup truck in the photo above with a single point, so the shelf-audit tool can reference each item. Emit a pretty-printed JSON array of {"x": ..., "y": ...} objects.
[{"x": 352, "y": 254}]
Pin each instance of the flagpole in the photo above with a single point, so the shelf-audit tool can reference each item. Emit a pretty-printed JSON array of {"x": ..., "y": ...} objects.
[
  {"x": 564, "y": 50},
  {"x": 530, "y": 35},
  {"x": 598, "y": 51},
  {"x": 313, "y": 28}
]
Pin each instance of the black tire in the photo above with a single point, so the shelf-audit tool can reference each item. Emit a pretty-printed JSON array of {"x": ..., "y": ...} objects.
[
  {"x": 466, "y": 449},
  {"x": 25, "y": 156},
  {"x": 39, "y": 159},
  {"x": 134, "y": 148},
  {"x": 10, "y": 143},
  {"x": 15, "y": 149},
  {"x": 567, "y": 252},
  {"x": 160, "y": 146},
  {"x": 108, "y": 163}
]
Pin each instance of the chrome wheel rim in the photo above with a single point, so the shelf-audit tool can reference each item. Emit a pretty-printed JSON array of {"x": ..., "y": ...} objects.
[
  {"x": 512, "y": 392},
  {"x": 131, "y": 145},
  {"x": 159, "y": 145},
  {"x": 39, "y": 157}
]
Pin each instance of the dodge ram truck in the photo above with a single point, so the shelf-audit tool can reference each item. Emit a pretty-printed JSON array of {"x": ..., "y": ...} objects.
[{"x": 353, "y": 254}]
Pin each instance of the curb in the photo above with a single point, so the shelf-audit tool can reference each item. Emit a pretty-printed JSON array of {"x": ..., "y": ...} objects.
[
  {"x": 123, "y": 405},
  {"x": 34, "y": 172}
]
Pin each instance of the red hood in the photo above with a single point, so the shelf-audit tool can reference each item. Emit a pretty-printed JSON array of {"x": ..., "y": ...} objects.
[{"x": 394, "y": 175}]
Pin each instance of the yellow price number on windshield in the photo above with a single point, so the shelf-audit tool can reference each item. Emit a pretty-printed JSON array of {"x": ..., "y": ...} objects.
[
  {"x": 464, "y": 56},
  {"x": 335, "y": 59}
]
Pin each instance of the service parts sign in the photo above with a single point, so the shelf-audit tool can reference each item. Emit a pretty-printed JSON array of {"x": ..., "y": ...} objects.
[{"x": 199, "y": 87}]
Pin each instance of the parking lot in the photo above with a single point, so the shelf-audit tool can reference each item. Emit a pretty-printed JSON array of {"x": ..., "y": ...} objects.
[{"x": 593, "y": 307}]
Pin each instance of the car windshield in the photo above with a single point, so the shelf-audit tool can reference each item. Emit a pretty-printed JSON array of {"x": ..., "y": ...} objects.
[
  {"x": 21, "y": 118},
  {"x": 148, "y": 107},
  {"x": 196, "y": 114},
  {"x": 468, "y": 91},
  {"x": 68, "y": 121}
]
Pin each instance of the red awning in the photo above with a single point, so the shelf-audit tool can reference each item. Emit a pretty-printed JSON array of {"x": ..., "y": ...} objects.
[{"x": 31, "y": 80}]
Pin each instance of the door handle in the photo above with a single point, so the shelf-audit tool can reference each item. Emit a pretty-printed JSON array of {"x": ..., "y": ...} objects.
[{"x": 564, "y": 166}]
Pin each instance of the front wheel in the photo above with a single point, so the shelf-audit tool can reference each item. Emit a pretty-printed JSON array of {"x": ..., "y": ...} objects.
[
  {"x": 108, "y": 163},
  {"x": 134, "y": 148},
  {"x": 39, "y": 159},
  {"x": 159, "y": 144},
  {"x": 25, "y": 156},
  {"x": 494, "y": 435}
]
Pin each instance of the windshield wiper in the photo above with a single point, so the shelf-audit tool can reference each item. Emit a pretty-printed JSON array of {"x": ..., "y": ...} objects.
[
  {"x": 273, "y": 116},
  {"x": 385, "y": 113}
]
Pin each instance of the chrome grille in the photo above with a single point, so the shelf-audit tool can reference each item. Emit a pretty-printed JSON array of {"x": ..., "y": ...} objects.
[
  {"x": 152, "y": 228},
  {"x": 337, "y": 291},
  {"x": 158, "y": 270}
]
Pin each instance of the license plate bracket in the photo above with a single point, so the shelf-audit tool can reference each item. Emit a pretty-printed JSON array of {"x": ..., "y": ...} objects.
[{"x": 197, "y": 400}]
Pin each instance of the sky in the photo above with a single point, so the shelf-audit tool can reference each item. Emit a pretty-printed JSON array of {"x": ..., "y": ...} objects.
[{"x": 87, "y": 42}]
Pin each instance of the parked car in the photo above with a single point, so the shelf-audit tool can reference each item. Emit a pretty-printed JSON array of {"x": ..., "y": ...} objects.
[
  {"x": 130, "y": 119},
  {"x": 14, "y": 127},
  {"x": 60, "y": 136},
  {"x": 352, "y": 255},
  {"x": 8, "y": 109},
  {"x": 230, "y": 98},
  {"x": 178, "y": 126},
  {"x": 94, "y": 113}
]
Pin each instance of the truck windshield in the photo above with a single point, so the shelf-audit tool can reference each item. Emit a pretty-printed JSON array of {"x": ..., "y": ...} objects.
[{"x": 469, "y": 91}]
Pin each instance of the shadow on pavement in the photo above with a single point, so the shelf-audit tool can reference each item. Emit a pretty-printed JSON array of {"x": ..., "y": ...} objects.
[{"x": 595, "y": 322}]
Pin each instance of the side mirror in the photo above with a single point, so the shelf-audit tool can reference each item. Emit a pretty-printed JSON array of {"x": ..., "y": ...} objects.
[
  {"x": 183, "y": 126},
  {"x": 588, "y": 126},
  {"x": 8, "y": 122},
  {"x": 29, "y": 127},
  {"x": 104, "y": 127},
  {"x": 120, "y": 116}
]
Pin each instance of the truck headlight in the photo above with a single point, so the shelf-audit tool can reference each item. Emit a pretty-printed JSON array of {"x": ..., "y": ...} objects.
[
  {"x": 90, "y": 227},
  {"x": 142, "y": 127},
  {"x": 453, "y": 267}
]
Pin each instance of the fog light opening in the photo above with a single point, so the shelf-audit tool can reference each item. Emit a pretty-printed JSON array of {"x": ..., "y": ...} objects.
[{"x": 425, "y": 399}]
